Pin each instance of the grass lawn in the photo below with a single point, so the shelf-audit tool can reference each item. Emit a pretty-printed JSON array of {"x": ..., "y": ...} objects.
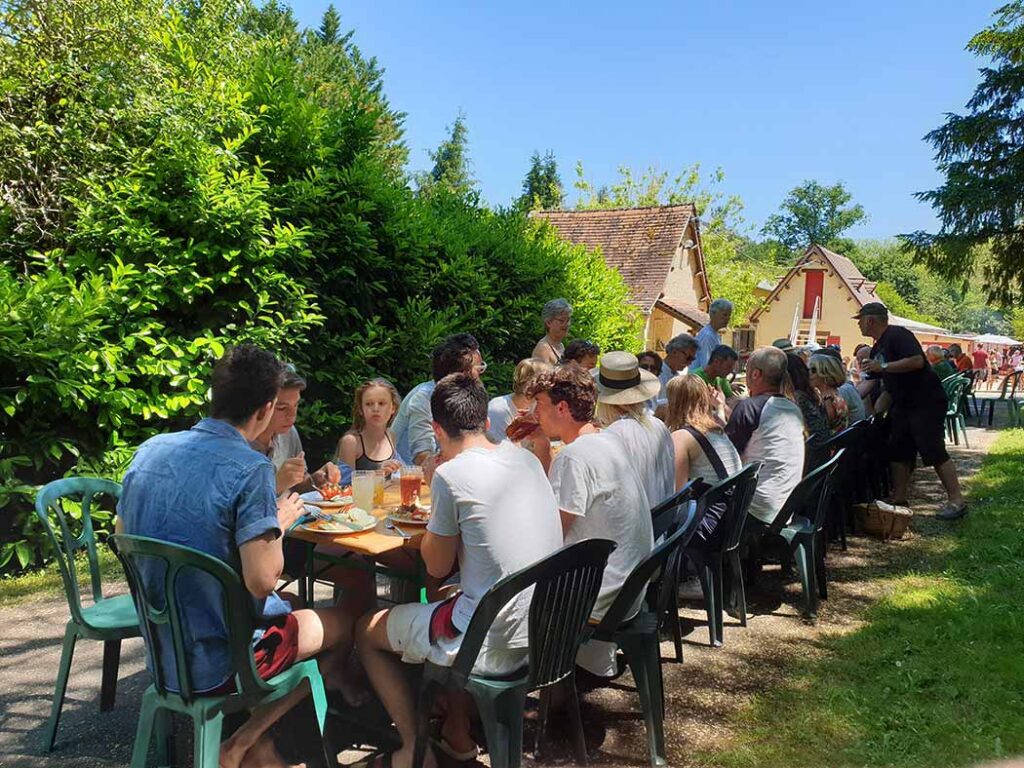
[
  {"x": 47, "y": 581},
  {"x": 935, "y": 676}
]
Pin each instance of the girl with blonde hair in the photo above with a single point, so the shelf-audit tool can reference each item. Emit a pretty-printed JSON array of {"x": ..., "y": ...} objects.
[{"x": 370, "y": 444}]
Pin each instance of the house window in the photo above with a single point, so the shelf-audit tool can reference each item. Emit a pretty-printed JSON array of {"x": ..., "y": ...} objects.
[
  {"x": 743, "y": 340},
  {"x": 814, "y": 282}
]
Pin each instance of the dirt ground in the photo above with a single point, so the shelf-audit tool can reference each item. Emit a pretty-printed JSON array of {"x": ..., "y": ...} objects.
[{"x": 702, "y": 694}]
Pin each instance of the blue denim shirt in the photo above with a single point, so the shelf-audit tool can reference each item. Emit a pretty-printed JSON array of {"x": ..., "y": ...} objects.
[
  {"x": 207, "y": 489},
  {"x": 412, "y": 425}
]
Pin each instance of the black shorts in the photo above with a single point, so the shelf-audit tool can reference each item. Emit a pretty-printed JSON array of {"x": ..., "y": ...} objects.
[{"x": 918, "y": 429}]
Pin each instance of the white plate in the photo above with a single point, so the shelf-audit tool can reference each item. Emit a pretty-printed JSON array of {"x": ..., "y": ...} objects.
[
  {"x": 336, "y": 529},
  {"x": 317, "y": 500},
  {"x": 401, "y": 519}
]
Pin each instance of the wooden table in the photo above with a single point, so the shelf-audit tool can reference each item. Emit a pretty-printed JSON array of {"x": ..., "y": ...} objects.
[{"x": 368, "y": 545}]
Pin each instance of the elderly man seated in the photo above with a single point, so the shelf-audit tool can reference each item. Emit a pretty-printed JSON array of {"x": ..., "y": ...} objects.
[
  {"x": 937, "y": 360},
  {"x": 494, "y": 513},
  {"x": 768, "y": 427}
]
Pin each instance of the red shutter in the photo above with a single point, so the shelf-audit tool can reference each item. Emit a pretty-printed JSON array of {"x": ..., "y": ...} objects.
[{"x": 813, "y": 285}]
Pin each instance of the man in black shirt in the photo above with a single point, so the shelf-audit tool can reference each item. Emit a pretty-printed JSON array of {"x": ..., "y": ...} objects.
[{"x": 916, "y": 403}]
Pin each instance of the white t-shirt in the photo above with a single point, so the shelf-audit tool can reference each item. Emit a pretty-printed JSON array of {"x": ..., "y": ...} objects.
[
  {"x": 649, "y": 448},
  {"x": 500, "y": 410},
  {"x": 769, "y": 428},
  {"x": 593, "y": 479},
  {"x": 500, "y": 505}
]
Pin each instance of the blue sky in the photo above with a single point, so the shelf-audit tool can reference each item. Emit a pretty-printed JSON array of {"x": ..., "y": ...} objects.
[{"x": 772, "y": 92}]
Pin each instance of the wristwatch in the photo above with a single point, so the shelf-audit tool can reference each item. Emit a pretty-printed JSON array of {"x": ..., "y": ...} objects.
[{"x": 884, "y": 365}]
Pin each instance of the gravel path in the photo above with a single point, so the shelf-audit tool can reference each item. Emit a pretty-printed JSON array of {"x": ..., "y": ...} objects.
[{"x": 702, "y": 694}]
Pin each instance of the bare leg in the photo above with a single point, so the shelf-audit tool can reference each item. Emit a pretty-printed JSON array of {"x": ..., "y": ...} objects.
[
  {"x": 385, "y": 672},
  {"x": 900, "y": 481},
  {"x": 948, "y": 477},
  {"x": 318, "y": 630},
  {"x": 455, "y": 726}
]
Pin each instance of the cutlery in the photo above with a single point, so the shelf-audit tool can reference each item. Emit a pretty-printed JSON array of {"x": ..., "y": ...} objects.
[{"x": 392, "y": 527}]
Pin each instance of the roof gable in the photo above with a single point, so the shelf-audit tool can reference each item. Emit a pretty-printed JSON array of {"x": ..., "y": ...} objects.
[
  {"x": 638, "y": 242},
  {"x": 861, "y": 289}
]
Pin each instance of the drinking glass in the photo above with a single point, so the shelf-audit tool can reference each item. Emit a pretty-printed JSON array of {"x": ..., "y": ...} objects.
[
  {"x": 378, "y": 488},
  {"x": 363, "y": 483},
  {"x": 410, "y": 484}
]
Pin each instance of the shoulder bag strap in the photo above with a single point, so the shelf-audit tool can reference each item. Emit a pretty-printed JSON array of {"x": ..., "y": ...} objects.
[{"x": 709, "y": 451}]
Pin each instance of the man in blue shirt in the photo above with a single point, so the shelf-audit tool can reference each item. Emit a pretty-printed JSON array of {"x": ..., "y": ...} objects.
[{"x": 207, "y": 489}]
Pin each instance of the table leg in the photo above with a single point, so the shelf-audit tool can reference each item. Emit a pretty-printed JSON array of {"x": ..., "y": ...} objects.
[{"x": 306, "y": 579}]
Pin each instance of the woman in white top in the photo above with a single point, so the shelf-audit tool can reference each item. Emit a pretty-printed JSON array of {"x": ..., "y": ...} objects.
[
  {"x": 690, "y": 405},
  {"x": 623, "y": 390},
  {"x": 557, "y": 317},
  {"x": 502, "y": 410}
]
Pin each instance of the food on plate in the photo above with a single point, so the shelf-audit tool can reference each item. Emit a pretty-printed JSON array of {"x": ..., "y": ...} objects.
[
  {"x": 412, "y": 513},
  {"x": 522, "y": 427},
  {"x": 346, "y": 521},
  {"x": 333, "y": 490}
]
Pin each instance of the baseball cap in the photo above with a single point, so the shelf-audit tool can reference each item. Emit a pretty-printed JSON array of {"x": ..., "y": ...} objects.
[
  {"x": 872, "y": 309},
  {"x": 784, "y": 344}
]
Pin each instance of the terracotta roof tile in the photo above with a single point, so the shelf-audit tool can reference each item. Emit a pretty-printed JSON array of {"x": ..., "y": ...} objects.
[{"x": 638, "y": 242}]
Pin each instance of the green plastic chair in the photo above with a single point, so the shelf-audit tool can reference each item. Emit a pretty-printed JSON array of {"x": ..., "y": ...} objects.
[
  {"x": 109, "y": 620},
  {"x": 565, "y": 587},
  {"x": 1007, "y": 394},
  {"x": 664, "y": 520},
  {"x": 708, "y": 558},
  {"x": 955, "y": 388},
  {"x": 162, "y": 608},
  {"x": 637, "y": 637},
  {"x": 801, "y": 524}
]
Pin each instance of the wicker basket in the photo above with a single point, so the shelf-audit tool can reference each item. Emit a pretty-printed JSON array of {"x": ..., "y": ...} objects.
[{"x": 882, "y": 524}]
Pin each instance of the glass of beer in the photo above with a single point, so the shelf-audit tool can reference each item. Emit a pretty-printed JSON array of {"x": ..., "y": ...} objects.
[
  {"x": 378, "y": 488},
  {"x": 363, "y": 482},
  {"x": 410, "y": 484}
]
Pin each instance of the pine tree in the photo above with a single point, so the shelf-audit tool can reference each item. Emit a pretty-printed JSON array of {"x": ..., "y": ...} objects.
[
  {"x": 980, "y": 155},
  {"x": 542, "y": 186},
  {"x": 330, "y": 25},
  {"x": 451, "y": 163}
]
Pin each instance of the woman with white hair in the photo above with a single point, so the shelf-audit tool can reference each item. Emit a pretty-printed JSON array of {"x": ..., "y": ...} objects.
[{"x": 557, "y": 316}]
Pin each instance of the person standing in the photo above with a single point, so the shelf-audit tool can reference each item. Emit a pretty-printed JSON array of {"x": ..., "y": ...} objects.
[
  {"x": 557, "y": 317},
  {"x": 709, "y": 337},
  {"x": 980, "y": 358},
  {"x": 916, "y": 402}
]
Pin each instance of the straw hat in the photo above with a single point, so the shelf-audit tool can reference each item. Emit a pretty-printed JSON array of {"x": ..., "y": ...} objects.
[{"x": 620, "y": 380}]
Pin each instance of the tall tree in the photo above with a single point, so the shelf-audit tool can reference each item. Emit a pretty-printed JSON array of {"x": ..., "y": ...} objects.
[
  {"x": 451, "y": 163},
  {"x": 815, "y": 213},
  {"x": 330, "y": 25},
  {"x": 542, "y": 187},
  {"x": 981, "y": 155}
]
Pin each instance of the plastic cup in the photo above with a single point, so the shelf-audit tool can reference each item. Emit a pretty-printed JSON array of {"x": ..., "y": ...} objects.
[
  {"x": 363, "y": 487},
  {"x": 378, "y": 488},
  {"x": 410, "y": 484}
]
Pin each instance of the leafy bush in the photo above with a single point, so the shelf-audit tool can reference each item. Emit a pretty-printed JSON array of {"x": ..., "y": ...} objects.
[{"x": 176, "y": 177}]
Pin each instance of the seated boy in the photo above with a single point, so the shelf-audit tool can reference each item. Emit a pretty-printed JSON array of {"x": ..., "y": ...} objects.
[{"x": 493, "y": 512}]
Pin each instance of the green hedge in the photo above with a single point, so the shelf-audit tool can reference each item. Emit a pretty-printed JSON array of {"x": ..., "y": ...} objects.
[{"x": 179, "y": 176}]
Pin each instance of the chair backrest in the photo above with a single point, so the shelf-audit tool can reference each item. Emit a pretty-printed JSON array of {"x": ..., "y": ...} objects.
[
  {"x": 565, "y": 587},
  {"x": 664, "y": 516},
  {"x": 160, "y": 600},
  {"x": 811, "y": 495},
  {"x": 955, "y": 388},
  {"x": 661, "y": 562},
  {"x": 734, "y": 493},
  {"x": 847, "y": 438},
  {"x": 1010, "y": 385},
  {"x": 50, "y": 511}
]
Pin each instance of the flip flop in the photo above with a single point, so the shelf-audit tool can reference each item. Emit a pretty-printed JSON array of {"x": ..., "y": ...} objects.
[{"x": 460, "y": 757}]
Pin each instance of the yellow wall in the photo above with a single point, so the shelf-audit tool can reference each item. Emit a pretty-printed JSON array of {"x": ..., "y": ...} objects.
[
  {"x": 837, "y": 310},
  {"x": 681, "y": 282},
  {"x": 661, "y": 328}
]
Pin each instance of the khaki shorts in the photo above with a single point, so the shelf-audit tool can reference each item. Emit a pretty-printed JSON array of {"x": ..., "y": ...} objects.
[{"x": 408, "y": 628}]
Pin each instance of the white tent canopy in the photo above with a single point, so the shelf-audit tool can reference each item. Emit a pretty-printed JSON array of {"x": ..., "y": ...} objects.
[{"x": 993, "y": 338}]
